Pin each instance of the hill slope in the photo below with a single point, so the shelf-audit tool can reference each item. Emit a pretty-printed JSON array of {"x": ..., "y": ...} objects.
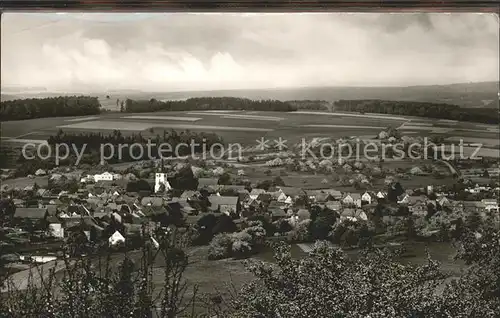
[{"x": 484, "y": 94}]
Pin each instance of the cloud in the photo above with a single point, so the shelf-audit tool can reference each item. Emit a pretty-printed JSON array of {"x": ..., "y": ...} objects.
[{"x": 171, "y": 51}]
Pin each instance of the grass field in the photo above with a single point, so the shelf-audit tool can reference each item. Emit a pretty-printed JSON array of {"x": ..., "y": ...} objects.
[{"x": 247, "y": 127}]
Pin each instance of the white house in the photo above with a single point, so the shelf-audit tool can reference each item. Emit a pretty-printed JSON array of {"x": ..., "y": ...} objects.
[
  {"x": 352, "y": 199},
  {"x": 105, "y": 176},
  {"x": 381, "y": 194},
  {"x": 254, "y": 194},
  {"x": 404, "y": 198},
  {"x": 56, "y": 230},
  {"x": 116, "y": 238},
  {"x": 282, "y": 197},
  {"x": 161, "y": 178},
  {"x": 490, "y": 204},
  {"x": 367, "y": 197}
]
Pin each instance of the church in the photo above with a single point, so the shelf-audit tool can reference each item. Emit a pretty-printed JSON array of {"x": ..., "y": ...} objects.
[{"x": 161, "y": 178}]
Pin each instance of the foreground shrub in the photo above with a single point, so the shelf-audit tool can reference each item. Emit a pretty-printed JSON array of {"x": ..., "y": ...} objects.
[{"x": 121, "y": 285}]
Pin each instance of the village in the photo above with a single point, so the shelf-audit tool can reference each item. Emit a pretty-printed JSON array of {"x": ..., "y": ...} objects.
[{"x": 123, "y": 207}]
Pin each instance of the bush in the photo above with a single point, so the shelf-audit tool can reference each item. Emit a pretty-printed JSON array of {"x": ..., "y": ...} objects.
[
  {"x": 220, "y": 247},
  {"x": 104, "y": 287}
]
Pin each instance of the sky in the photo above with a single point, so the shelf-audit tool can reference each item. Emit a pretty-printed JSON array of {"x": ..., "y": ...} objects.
[{"x": 187, "y": 51}]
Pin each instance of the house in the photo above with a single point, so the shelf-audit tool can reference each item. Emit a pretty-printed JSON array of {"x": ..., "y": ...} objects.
[
  {"x": 353, "y": 215},
  {"x": 40, "y": 172},
  {"x": 208, "y": 184},
  {"x": 361, "y": 215},
  {"x": 311, "y": 194},
  {"x": 443, "y": 201},
  {"x": 19, "y": 202},
  {"x": 254, "y": 194},
  {"x": 32, "y": 214},
  {"x": 152, "y": 201},
  {"x": 153, "y": 210},
  {"x": 493, "y": 172},
  {"x": 319, "y": 196},
  {"x": 41, "y": 192},
  {"x": 253, "y": 204},
  {"x": 116, "y": 238},
  {"x": 323, "y": 197},
  {"x": 189, "y": 194},
  {"x": 418, "y": 209},
  {"x": 55, "y": 227},
  {"x": 335, "y": 194},
  {"x": 490, "y": 204},
  {"x": 403, "y": 199},
  {"x": 474, "y": 172},
  {"x": 232, "y": 188},
  {"x": 367, "y": 197},
  {"x": 224, "y": 204},
  {"x": 416, "y": 171},
  {"x": 333, "y": 205},
  {"x": 381, "y": 195},
  {"x": 281, "y": 197},
  {"x": 105, "y": 176},
  {"x": 51, "y": 209},
  {"x": 352, "y": 199},
  {"x": 473, "y": 207},
  {"x": 416, "y": 199},
  {"x": 161, "y": 179},
  {"x": 277, "y": 213},
  {"x": 293, "y": 192}
]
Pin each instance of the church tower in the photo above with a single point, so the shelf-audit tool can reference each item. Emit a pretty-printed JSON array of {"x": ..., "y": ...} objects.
[{"x": 161, "y": 178}]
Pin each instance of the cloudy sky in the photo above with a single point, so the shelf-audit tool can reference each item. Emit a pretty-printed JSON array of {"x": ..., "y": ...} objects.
[{"x": 172, "y": 52}]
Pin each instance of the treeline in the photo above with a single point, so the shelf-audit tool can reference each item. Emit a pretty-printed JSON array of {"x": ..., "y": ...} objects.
[
  {"x": 420, "y": 109},
  {"x": 19, "y": 109},
  {"x": 310, "y": 104},
  {"x": 206, "y": 103},
  {"x": 171, "y": 141}
]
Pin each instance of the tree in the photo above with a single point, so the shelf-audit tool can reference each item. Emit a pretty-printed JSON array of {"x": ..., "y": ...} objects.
[
  {"x": 184, "y": 179},
  {"x": 220, "y": 247},
  {"x": 278, "y": 182},
  {"x": 225, "y": 179},
  {"x": 139, "y": 185},
  {"x": 321, "y": 223},
  {"x": 265, "y": 184},
  {"x": 394, "y": 191},
  {"x": 225, "y": 224},
  {"x": 374, "y": 285}
]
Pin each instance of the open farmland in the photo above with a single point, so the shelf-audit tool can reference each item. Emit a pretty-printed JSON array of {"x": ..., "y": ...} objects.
[{"x": 246, "y": 127}]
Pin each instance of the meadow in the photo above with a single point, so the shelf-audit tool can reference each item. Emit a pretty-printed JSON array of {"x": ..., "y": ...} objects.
[{"x": 246, "y": 127}]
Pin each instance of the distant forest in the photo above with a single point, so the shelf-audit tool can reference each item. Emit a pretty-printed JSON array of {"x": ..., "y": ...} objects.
[
  {"x": 420, "y": 109},
  {"x": 93, "y": 142},
  {"x": 206, "y": 103},
  {"x": 310, "y": 104},
  {"x": 19, "y": 109}
]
